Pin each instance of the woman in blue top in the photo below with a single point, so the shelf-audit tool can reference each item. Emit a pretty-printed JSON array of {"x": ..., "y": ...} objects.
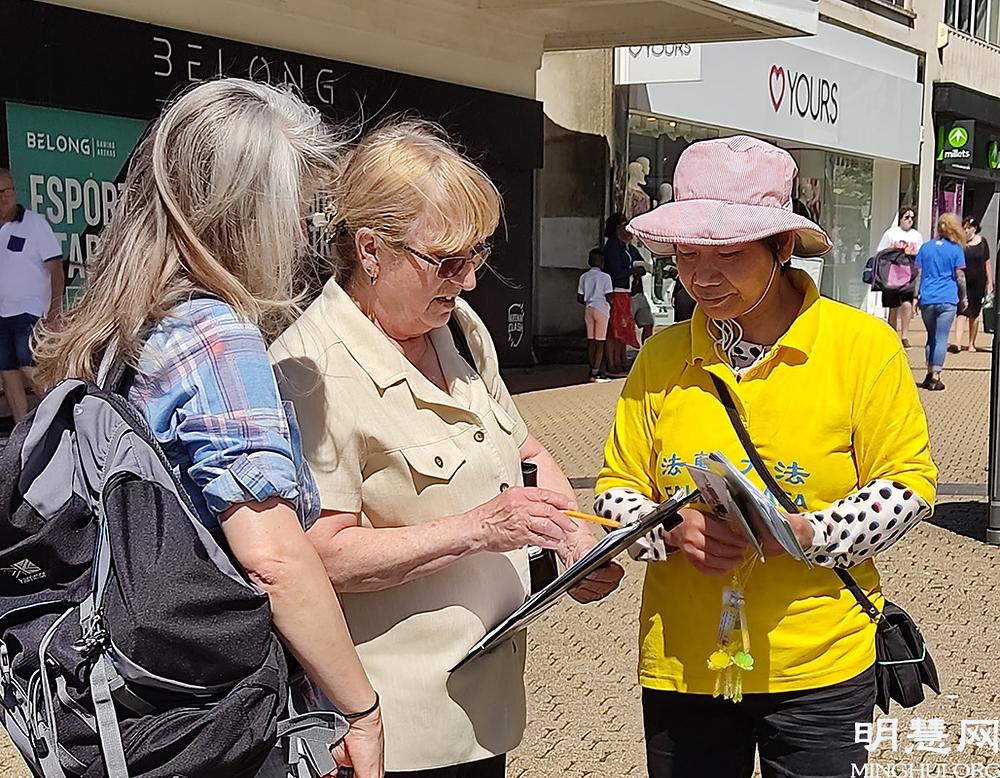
[
  {"x": 941, "y": 291},
  {"x": 200, "y": 258}
]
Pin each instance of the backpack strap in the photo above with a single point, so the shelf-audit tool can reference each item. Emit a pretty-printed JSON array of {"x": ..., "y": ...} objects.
[
  {"x": 461, "y": 342},
  {"x": 779, "y": 494},
  {"x": 107, "y": 718},
  {"x": 114, "y": 375}
]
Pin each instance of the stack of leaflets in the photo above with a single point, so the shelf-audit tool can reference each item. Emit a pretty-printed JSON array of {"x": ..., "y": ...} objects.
[{"x": 733, "y": 498}]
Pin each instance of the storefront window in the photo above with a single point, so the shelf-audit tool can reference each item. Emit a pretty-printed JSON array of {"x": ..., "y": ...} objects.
[{"x": 847, "y": 214}]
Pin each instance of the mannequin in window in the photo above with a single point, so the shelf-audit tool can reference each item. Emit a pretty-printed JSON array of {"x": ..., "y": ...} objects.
[
  {"x": 646, "y": 167},
  {"x": 636, "y": 199},
  {"x": 665, "y": 193}
]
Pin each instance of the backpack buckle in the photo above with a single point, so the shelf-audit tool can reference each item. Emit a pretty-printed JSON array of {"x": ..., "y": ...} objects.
[
  {"x": 6, "y": 674},
  {"x": 94, "y": 637}
]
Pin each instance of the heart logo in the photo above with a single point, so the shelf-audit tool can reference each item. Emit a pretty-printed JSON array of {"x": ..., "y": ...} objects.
[{"x": 777, "y": 78}]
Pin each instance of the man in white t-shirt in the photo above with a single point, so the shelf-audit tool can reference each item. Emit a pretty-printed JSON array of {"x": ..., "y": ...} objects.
[
  {"x": 594, "y": 291},
  {"x": 32, "y": 283}
]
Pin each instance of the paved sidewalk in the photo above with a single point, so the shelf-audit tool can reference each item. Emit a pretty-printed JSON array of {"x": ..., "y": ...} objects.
[{"x": 583, "y": 700}]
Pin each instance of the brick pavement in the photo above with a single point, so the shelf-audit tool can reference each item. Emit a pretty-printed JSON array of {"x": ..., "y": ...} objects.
[{"x": 583, "y": 700}]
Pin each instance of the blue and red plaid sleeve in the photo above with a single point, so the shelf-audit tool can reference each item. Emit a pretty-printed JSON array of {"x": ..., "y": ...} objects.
[{"x": 209, "y": 393}]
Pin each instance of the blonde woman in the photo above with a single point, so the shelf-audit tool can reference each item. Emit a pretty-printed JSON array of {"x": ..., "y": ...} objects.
[
  {"x": 197, "y": 265},
  {"x": 941, "y": 291},
  {"x": 417, "y": 452}
]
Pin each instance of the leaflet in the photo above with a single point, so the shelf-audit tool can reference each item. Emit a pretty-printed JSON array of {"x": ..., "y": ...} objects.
[{"x": 733, "y": 497}]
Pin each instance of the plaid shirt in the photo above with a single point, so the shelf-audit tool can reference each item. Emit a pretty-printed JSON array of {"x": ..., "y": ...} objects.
[{"x": 207, "y": 389}]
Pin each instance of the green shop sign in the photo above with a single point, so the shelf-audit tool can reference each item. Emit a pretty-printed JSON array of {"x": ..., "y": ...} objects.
[
  {"x": 993, "y": 154},
  {"x": 955, "y": 144},
  {"x": 69, "y": 166}
]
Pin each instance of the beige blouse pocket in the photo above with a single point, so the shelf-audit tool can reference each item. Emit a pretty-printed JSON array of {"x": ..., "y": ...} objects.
[{"x": 433, "y": 463}]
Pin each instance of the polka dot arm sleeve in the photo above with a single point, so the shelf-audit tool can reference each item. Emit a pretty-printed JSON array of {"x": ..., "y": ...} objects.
[
  {"x": 626, "y": 506},
  {"x": 864, "y": 524}
]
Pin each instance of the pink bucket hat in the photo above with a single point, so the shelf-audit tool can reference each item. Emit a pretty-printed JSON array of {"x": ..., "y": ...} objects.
[{"x": 730, "y": 191}]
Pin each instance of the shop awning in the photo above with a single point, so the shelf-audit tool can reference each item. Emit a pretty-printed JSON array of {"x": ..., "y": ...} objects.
[{"x": 594, "y": 24}]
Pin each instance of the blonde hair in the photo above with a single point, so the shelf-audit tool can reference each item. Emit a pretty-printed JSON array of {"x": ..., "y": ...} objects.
[
  {"x": 950, "y": 228},
  {"x": 213, "y": 204},
  {"x": 406, "y": 181}
]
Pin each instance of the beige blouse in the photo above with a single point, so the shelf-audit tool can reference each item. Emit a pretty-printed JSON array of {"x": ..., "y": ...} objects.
[{"x": 385, "y": 442}]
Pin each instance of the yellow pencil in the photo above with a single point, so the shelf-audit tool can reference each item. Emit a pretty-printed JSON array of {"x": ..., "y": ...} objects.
[{"x": 591, "y": 517}]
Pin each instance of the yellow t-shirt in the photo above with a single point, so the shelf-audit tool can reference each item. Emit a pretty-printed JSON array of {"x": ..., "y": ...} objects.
[{"x": 832, "y": 407}]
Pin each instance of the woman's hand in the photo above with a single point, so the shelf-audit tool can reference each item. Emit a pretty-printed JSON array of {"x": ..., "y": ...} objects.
[
  {"x": 522, "y": 517},
  {"x": 711, "y": 545},
  {"x": 802, "y": 528},
  {"x": 362, "y": 748},
  {"x": 600, "y": 583}
]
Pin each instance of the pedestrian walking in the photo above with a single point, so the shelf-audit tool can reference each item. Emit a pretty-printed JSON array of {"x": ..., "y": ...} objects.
[
  {"x": 32, "y": 288},
  {"x": 979, "y": 285},
  {"x": 941, "y": 291},
  {"x": 418, "y": 448},
  {"x": 642, "y": 314},
  {"x": 620, "y": 257},
  {"x": 594, "y": 292},
  {"x": 216, "y": 246},
  {"x": 846, "y": 440},
  {"x": 901, "y": 235}
]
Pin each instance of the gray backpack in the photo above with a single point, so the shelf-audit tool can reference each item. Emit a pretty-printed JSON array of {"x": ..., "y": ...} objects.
[{"x": 131, "y": 643}]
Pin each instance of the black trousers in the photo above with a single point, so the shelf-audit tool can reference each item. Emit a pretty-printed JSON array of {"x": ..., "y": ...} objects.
[
  {"x": 808, "y": 734},
  {"x": 496, "y": 767}
]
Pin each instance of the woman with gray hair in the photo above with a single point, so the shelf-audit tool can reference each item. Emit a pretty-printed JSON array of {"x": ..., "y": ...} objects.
[{"x": 198, "y": 265}]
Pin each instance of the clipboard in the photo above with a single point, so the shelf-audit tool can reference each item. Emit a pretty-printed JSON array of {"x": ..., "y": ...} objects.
[{"x": 610, "y": 546}]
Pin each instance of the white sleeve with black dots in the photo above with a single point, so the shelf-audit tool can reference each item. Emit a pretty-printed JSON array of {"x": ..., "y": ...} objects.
[
  {"x": 864, "y": 524},
  {"x": 626, "y": 506}
]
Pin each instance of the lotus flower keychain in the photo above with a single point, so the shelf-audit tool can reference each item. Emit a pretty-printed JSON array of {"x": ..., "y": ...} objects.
[{"x": 732, "y": 656}]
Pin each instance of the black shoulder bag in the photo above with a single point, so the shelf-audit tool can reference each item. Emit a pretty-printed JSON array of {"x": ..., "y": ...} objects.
[
  {"x": 903, "y": 663},
  {"x": 541, "y": 561}
]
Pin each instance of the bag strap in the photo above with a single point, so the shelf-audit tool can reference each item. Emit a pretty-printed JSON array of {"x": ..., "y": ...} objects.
[
  {"x": 461, "y": 342},
  {"x": 779, "y": 494}
]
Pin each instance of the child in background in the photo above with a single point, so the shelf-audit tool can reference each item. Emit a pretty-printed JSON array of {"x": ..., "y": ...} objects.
[{"x": 594, "y": 291}]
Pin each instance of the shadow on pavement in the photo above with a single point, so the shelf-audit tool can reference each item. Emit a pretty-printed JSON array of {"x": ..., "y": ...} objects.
[
  {"x": 534, "y": 379},
  {"x": 966, "y": 518}
]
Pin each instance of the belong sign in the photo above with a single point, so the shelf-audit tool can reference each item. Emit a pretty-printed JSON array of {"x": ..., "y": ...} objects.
[{"x": 839, "y": 90}]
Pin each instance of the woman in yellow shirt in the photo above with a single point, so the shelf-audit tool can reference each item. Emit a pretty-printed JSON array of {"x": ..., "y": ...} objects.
[{"x": 829, "y": 400}]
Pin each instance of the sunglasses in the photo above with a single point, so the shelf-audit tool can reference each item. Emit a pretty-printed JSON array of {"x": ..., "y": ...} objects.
[{"x": 452, "y": 266}]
